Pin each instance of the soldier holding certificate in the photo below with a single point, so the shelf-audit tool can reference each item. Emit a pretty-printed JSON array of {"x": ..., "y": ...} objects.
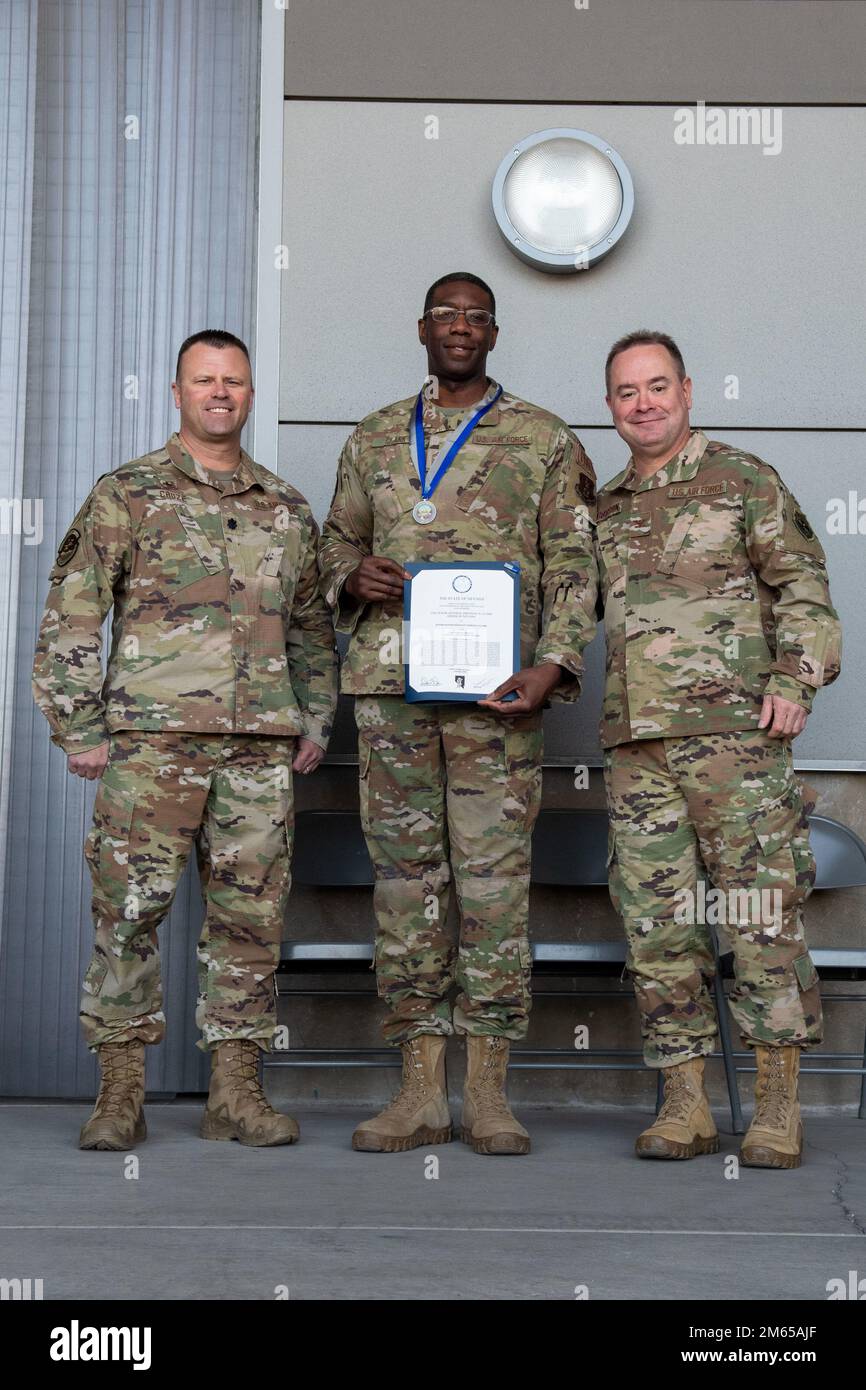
[{"x": 460, "y": 472}]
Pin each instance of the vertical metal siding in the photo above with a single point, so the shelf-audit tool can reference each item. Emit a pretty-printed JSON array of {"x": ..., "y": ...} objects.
[{"x": 135, "y": 244}]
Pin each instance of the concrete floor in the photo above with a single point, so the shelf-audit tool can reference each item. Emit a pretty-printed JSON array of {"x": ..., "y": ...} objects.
[{"x": 218, "y": 1221}]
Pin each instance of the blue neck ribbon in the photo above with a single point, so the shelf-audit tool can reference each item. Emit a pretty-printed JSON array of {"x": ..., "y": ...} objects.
[{"x": 427, "y": 491}]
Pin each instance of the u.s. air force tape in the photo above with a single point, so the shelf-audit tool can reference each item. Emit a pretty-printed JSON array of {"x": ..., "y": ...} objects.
[{"x": 68, "y": 546}]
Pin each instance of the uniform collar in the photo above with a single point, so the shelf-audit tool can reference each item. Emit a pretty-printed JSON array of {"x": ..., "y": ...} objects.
[
  {"x": 435, "y": 422},
  {"x": 244, "y": 476},
  {"x": 679, "y": 469}
]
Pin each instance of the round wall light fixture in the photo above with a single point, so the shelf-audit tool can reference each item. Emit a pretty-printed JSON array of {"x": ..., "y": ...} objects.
[{"x": 562, "y": 199}]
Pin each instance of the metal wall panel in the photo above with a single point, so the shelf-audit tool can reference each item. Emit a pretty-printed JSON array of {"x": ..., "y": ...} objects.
[
  {"x": 578, "y": 50},
  {"x": 748, "y": 259},
  {"x": 17, "y": 139}
]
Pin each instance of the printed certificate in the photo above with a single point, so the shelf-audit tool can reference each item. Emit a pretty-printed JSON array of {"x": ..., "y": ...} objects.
[{"x": 461, "y": 629}]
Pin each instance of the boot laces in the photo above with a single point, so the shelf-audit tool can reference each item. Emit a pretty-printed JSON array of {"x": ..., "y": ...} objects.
[
  {"x": 243, "y": 1071},
  {"x": 771, "y": 1108},
  {"x": 678, "y": 1097},
  {"x": 118, "y": 1074},
  {"x": 413, "y": 1087},
  {"x": 489, "y": 1094}
]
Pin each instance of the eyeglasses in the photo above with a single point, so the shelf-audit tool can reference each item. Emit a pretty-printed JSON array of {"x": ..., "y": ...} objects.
[{"x": 446, "y": 313}]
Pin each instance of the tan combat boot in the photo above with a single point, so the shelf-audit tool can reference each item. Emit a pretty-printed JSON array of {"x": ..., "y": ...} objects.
[
  {"x": 117, "y": 1121},
  {"x": 775, "y": 1136},
  {"x": 419, "y": 1112},
  {"x": 237, "y": 1107},
  {"x": 488, "y": 1124},
  {"x": 684, "y": 1126}
]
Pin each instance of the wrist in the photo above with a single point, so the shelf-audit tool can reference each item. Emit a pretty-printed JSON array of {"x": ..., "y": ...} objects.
[
  {"x": 552, "y": 673},
  {"x": 351, "y": 579}
]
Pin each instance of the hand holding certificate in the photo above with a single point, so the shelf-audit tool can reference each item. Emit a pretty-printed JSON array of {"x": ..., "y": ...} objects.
[{"x": 461, "y": 629}]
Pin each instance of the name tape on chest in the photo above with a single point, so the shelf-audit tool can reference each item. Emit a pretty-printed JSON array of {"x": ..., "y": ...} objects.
[
  {"x": 513, "y": 441},
  {"x": 609, "y": 511}
]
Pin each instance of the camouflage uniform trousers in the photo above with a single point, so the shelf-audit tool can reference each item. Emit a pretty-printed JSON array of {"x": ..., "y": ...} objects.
[
  {"x": 439, "y": 783},
  {"x": 230, "y": 796},
  {"x": 723, "y": 807}
]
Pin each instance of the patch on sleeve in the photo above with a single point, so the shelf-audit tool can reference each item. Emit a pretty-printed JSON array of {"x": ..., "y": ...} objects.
[
  {"x": 801, "y": 522},
  {"x": 68, "y": 546},
  {"x": 586, "y": 488},
  {"x": 798, "y": 535}
]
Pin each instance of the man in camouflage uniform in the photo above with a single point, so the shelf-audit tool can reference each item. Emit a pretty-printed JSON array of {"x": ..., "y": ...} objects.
[
  {"x": 221, "y": 681},
  {"x": 719, "y": 631},
  {"x": 455, "y": 788}
]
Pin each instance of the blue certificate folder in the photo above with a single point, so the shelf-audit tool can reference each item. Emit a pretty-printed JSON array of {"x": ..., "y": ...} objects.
[{"x": 459, "y": 696}]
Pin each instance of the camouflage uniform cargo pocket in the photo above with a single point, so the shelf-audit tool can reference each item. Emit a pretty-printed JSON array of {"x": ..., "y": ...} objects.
[
  {"x": 807, "y": 975},
  {"x": 95, "y": 974},
  {"x": 523, "y": 750},
  {"x": 499, "y": 494},
  {"x": 107, "y": 852},
  {"x": 782, "y": 828},
  {"x": 172, "y": 550},
  {"x": 385, "y": 461},
  {"x": 701, "y": 544}
]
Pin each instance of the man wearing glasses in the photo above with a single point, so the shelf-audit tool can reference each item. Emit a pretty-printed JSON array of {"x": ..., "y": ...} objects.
[{"x": 455, "y": 788}]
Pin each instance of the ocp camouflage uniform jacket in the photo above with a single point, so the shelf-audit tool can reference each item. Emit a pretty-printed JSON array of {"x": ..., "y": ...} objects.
[
  {"x": 715, "y": 593},
  {"x": 520, "y": 489},
  {"x": 219, "y": 625}
]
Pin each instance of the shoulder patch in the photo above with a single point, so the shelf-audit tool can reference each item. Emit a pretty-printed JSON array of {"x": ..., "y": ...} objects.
[
  {"x": 801, "y": 522},
  {"x": 586, "y": 488},
  {"x": 68, "y": 546}
]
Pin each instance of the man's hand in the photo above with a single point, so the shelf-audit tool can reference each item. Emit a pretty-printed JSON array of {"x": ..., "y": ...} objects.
[
  {"x": 376, "y": 580},
  {"x": 90, "y": 764},
  {"x": 308, "y": 755},
  {"x": 782, "y": 718},
  {"x": 533, "y": 685}
]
